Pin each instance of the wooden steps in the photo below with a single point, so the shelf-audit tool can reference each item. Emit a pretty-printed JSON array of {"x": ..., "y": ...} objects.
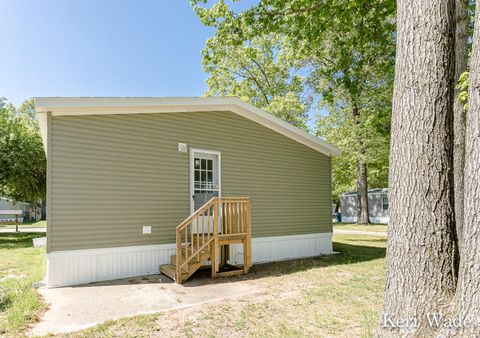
[
  {"x": 170, "y": 270},
  {"x": 229, "y": 217}
]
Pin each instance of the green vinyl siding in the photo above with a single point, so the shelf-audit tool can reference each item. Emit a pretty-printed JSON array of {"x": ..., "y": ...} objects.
[{"x": 112, "y": 174}]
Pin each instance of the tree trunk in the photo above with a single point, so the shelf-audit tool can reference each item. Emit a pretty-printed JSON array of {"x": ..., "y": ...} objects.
[
  {"x": 43, "y": 209},
  {"x": 461, "y": 57},
  {"x": 421, "y": 276},
  {"x": 469, "y": 279},
  {"x": 362, "y": 190},
  {"x": 362, "y": 182}
]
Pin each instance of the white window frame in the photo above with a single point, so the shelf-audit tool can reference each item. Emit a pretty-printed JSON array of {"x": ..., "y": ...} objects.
[{"x": 191, "y": 153}]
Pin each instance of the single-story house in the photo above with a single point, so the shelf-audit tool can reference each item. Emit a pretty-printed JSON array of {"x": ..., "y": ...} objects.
[
  {"x": 28, "y": 212},
  {"x": 123, "y": 174},
  {"x": 377, "y": 206}
]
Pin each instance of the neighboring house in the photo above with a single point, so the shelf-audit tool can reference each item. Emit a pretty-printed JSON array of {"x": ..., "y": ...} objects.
[
  {"x": 28, "y": 213},
  {"x": 377, "y": 206},
  {"x": 123, "y": 173}
]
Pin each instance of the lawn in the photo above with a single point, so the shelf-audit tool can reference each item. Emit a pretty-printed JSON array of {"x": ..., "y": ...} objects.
[
  {"x": 36, "y": 224},
  {"x": 353, "y": 226},
  {"x": 21, "y": 266},
  {"x": 338, "y": 295}
]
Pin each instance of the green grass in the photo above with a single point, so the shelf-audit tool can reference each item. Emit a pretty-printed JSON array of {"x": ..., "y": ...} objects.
[
  {"x": 139, "y": 326},
  {"x": 21, "y": 266},
  {"x": 36, "y": 224},
  {"x": 353, "y": 226},
  {"x": 338, "y": 295}
]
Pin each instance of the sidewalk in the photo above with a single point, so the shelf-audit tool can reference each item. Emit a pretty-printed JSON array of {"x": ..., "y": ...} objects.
[{"x": 79, "y": 307}]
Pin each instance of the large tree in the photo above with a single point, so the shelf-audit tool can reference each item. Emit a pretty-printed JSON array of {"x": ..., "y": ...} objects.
[
  {"x": 338, "y": 128},
  {"x": 421, "y": 252},
  {"x": 469, "y": 279},
  {"x": 348, "y": 44},
  {"x": 22, "y": 158},
  {"x": 461, "y": 59}
]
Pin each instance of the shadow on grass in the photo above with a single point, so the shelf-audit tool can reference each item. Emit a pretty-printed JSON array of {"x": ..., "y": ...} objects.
[
  {"x": 347, "y": 254},
  {"x": 18, "y": 240}
]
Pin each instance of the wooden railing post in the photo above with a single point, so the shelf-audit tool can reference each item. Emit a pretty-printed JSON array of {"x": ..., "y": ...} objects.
[
  {"x": 179, "y": 256},
  {"x": 249, "y": 234},
  {"x": 214, "y": 260},
  {"x": 186, "y": 247}
]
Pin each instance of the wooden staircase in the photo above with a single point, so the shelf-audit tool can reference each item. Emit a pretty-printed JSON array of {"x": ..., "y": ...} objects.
[{"x": 204, "y": 237}]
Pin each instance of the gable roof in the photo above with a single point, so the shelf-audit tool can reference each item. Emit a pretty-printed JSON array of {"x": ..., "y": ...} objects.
[{"x": 67, "y": 106}]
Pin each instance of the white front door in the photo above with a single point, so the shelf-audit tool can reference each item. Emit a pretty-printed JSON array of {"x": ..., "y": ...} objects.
[{"x": 205, "y": 179}]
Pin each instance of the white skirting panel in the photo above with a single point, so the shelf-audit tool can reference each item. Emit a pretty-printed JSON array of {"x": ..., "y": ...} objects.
[
  {"x": 75, "y": 267},
  {"x": 280, "y": 248}
]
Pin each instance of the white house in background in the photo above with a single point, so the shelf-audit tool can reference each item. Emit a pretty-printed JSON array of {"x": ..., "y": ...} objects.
[
  {"x": 377, "y": 206},
  {"x": 29, "y": 213}
]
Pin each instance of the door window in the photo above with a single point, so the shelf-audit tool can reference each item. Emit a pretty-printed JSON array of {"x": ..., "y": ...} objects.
[{"x": 205, "y": 183}]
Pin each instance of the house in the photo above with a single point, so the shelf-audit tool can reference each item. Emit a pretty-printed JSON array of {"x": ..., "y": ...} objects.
[
  {"x": 377, "y": 206},
  {"x": 28, "y": 212},
  {"x": 131, "y": 182}
]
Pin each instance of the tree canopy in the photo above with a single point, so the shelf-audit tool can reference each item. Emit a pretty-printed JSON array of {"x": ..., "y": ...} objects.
[
  {"x": 22, "y": 158},
  {"x": 345, "y": 51},
  {"x": 259, "y": 72}
]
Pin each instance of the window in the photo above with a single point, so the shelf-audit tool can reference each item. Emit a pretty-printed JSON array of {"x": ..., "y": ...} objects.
[
  {"x": 385, "y": 203},
  {"x": 203, "y": 172}
]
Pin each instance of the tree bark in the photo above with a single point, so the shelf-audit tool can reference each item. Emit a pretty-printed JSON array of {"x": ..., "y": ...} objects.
[
  {"x": 43, "y": 209},
  {"x": 469, "y": 279},
  {"x": 362, "y": 180},
  {"x": 461, "y": 57},
  {"x": 362, "y": 190},
  {"x": 421, "y": 275}
]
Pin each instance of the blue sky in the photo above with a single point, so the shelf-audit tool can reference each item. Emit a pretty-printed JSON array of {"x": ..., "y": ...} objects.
[{"x": 100, "y": 48}]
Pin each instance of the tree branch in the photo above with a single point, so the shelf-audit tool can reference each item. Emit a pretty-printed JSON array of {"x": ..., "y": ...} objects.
[
  {"x": 258, "y": 85},
  {"x": 262, "y": 71}
]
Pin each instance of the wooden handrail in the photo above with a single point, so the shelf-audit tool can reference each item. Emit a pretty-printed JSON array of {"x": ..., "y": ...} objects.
[
  {"x": 196, "y": 213},
  {"x": 185, "y": 226}
]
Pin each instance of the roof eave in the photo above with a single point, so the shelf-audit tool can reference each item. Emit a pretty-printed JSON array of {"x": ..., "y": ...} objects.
[{"x": 60, "y": 106}]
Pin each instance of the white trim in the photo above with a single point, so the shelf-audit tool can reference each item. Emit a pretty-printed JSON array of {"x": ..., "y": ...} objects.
[
  {"x": 135, "y": 105},
  {"x": 191, "y": 172},
  {"x": 75, "y": 267},
  {"x": 118, "y": 249},
  {"x": 42, "y": 122}
]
